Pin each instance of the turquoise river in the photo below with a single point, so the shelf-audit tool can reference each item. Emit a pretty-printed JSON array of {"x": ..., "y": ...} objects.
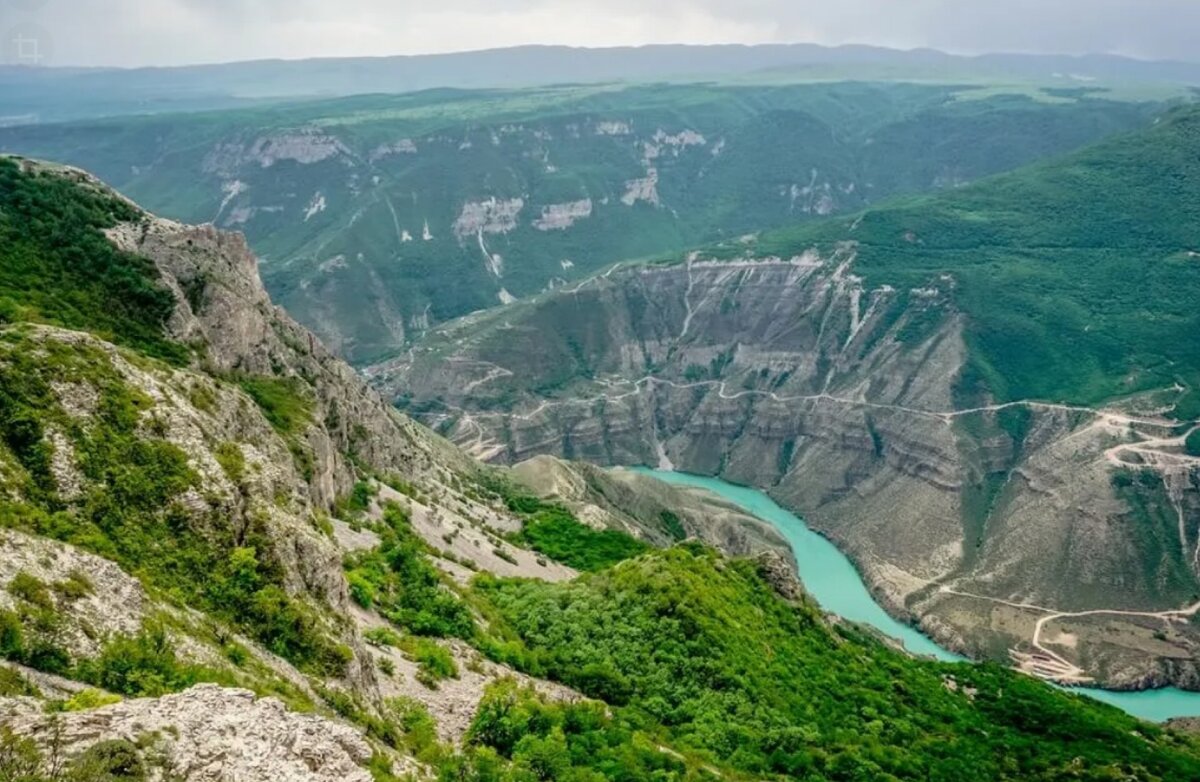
[{"x": 832, "y": 579}]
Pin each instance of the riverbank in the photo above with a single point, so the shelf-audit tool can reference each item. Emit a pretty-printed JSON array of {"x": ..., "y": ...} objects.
[{"x": 831, "y": 578}]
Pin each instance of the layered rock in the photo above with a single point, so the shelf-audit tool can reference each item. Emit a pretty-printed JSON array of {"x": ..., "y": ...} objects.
[{"x": 842, "y": 401}]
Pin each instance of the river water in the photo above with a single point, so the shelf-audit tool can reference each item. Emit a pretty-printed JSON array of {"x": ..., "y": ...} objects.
[{"x": 832, "y": 579}]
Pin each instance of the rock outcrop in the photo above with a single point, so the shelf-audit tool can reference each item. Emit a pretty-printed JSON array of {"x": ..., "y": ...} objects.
[
  {"x": 90, "y": 595},
  {"x": 207, "y": 734}
]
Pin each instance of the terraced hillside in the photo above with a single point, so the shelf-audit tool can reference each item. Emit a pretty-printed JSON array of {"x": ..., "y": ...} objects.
[
  {"x": 377, "y": 217},
  {"x": 984, "y": 396}
]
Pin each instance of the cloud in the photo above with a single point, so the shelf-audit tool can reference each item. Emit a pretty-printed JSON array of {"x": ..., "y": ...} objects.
[{"x": 163, "y": 32}]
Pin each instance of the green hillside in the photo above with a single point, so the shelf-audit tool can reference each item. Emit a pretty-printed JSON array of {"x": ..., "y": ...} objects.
[
  {"x": 697, "y": 665},
  {"x": 698, "y": 651},
  {"x": 1080, "y": 276},
  {"x": 56, "y": 267},
  {"x": 377, "y": 216}
]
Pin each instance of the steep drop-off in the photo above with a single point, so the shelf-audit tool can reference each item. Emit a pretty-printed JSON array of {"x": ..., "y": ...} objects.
[{"x": 868, "y": 384}]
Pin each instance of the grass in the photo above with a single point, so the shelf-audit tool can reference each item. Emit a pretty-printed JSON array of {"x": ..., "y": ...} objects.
[
  {"x": 57, "y": 267},
  {"x": 284, "y": 401},
  {"x": 1077, "y": 275}
]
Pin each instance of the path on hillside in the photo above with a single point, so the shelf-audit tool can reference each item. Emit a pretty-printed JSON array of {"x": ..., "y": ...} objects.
[
  {"x": 1049, "y": 664},
  {"x": 1114, "y": 417}
]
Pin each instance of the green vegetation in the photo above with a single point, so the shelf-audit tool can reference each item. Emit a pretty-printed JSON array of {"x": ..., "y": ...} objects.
[
  {"x": 398, "y": 580},
  {"x": 113, "y": 760},
  {"x": 1192, "y": 443},
  {"x": 556, "y": 533},
  {"x": 753, "y": 171},
  {"x": 356, "y": 503},
  {"x": 698, "y": 653},
  {"x": 86, "y": 700},
  {"x": 517, "y": 735},
  {"x": 57, "y": 267},
  {"x": 143, "y": 665},
  {"x": 283, "y": 401},
  {"x": 1079, "y": 276},
  {"x": 553, "y": 530},
  {"x": 130, "y": 513},
  {"x": 434, "y": 662}
]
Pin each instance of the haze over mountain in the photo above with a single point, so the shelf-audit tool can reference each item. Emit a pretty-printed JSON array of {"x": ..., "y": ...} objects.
[
  {"x": 175, "y": 32},
  {"x": 50, "y": 94}
]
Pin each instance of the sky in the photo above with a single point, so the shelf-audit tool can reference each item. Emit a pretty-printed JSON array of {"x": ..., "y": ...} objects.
[{"x": 177, "y": 32}]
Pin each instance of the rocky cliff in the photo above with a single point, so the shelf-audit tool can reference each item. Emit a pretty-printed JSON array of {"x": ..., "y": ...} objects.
[
  {"x": 170, "y": 521},
  {"x": 224, "y": 508},
  {"x": 1061, "y": 536}
]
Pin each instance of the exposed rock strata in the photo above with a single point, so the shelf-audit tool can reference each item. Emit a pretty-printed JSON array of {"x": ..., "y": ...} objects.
[{"x": 840, "y": 400}]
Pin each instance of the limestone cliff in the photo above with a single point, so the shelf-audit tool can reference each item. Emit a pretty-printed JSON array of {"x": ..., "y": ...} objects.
[{"x": 992, "y": 525}]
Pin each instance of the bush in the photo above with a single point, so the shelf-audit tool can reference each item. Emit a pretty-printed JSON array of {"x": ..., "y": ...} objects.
[
  {"x": 398, "y": 579},
  {"x": 556, "y": 533},
  {"x": 32, "y": 590},
  {"x": 139, "y": 665},
  {"x": 1192, "y": 443},
  {"x": 12, "y": 636},
  {"x": 14, "y": 685},
  {"x": 86, "y": 700},
  {"x": 434, "y": 662}
]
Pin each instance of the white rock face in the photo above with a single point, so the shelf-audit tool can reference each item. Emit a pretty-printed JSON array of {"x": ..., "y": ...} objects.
[
  {"x": 684, "y": 138},
  {"x": 306, "y": 146},
  {"x": 644, "y": 189},
  {"x": 404, "y": 146},
  {"x": 612, "y": 129},
  {"x": 493, "y": 216},
  {"x": 212, "y": 734},
  {"x": 115, "y": 602},
  {"x": 315, "y": 206},
  {"x": 557, "y": 217}
]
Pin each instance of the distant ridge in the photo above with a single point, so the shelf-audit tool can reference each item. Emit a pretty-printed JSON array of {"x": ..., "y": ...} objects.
[{"x": 52, "y": 94}]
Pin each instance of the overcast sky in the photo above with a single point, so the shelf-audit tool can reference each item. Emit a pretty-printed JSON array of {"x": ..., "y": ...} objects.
[{"x": 173, "y": 32}]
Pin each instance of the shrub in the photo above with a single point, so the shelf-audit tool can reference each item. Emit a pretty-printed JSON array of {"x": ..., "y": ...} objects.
[
  {"x": 139, "y": 665},
  {"x": 14, "y": 685},
  {"x": 398, "y": 579},
  {"x": 1192, "y": 443},
  {"x": 32, "y": 590},
  {"x": 434, "y": 662},
  {"x": 283, "y": 401},
  {"x": 556, "y": 533},
  {"x": 86, "y": 700}
]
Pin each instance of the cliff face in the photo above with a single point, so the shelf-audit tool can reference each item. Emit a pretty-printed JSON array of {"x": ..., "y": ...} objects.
[
  {"x": 222, "y": 305},
  {"x": 183, "y": 509},
  {"x": 845, "y": 403}
]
